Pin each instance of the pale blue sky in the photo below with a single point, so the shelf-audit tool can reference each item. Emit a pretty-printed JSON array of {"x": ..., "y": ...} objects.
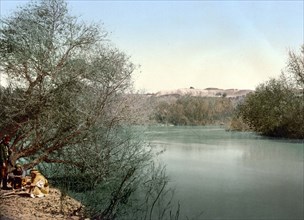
[{"x": 224, "y": 44}]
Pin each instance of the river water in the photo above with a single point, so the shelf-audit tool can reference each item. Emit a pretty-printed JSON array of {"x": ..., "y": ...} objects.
[{"x": 232, "y": 175}]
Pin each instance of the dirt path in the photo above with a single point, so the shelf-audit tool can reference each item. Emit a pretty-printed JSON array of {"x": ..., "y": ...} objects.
[{"x": 18, "y": 205}]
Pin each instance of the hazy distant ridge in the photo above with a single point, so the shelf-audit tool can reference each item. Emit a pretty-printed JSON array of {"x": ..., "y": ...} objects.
[{"x": 208, "y": 92}]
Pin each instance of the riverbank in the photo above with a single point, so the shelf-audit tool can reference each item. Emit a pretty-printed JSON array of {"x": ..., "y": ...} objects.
[{"x": 57, "y": 205}]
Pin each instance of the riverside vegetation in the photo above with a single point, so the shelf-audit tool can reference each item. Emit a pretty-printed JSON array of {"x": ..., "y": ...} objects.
[
  {"x": 275, "y": 108},
  {"x": 66, "y": 109},
  {"x": 69, "y": 111},
  {"x": 187, "y": 110}
]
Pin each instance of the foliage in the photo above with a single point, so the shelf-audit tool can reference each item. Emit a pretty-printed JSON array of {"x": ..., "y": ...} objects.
[
  {"x": 145, "y": 197},
  {"x": 237, "y": 124},
  {"x": 189, "y": 110},
  {"x": 295, "y": 67},
  {"x": 276, "y": 107},
  {"x": 63, "y": 81},
  {"x": 66, "y": 107}
]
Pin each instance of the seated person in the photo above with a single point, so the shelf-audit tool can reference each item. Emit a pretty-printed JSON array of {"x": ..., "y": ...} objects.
[
  {"x": 16, "y": 176},
  {"x": 39, "y": 184}
]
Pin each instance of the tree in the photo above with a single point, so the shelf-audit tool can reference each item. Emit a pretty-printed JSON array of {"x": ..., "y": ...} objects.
[
  {"x": 295, "y": 66},
  {"x": 63, "y": 81},
  {"x": 276, "y": 107},
  {"x": 66, "y": 86},
  {"x": 67, "y": 106},
  {"x": 190, "y": 110}
]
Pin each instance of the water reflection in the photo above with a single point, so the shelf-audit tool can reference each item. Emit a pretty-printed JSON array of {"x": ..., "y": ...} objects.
[{"x": 233, "y": 175}]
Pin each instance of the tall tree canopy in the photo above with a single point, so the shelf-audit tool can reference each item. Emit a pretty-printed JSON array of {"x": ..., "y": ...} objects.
[
  {"x": 64, "y": 81},
  {"x": 67, "y": 108}
]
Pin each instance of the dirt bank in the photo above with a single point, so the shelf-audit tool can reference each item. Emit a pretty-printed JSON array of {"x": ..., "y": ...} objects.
[{"x": 18, "y": 205}]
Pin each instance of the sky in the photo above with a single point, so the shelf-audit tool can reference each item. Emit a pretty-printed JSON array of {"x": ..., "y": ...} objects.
[{"x": 200, "y": 44}]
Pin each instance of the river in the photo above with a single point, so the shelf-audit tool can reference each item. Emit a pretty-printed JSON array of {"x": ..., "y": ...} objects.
[{"x": 232, "y": 175}]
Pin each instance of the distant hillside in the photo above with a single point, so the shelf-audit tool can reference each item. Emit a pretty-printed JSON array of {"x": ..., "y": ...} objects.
[{"x": 208, "y": 92}]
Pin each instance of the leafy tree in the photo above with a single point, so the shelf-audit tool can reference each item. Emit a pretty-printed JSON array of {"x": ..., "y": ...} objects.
[
  {"x": 276, "y": 107},
  {"x": 188, "y": 110},
  {"x": 63, "y": 81},
  {"x": 66, "y": 106},
  {"x": 162, "y": 112}
]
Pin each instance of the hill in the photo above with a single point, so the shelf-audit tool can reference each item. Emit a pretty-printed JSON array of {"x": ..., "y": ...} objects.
[{"x": 208, "y": 92}]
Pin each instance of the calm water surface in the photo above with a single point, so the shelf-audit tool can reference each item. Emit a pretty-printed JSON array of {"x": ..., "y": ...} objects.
[{"x": 232, "y": 175}]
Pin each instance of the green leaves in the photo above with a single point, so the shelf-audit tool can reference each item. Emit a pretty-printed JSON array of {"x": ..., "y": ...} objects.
[
  {"x": 68, "y": 79},
  {"x": 276, "y": 108},
  {"x": 194, "y": 111}
]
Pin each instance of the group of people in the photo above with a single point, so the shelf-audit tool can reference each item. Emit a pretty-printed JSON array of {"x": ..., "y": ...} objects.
[{"x": 36, "y": 185}]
